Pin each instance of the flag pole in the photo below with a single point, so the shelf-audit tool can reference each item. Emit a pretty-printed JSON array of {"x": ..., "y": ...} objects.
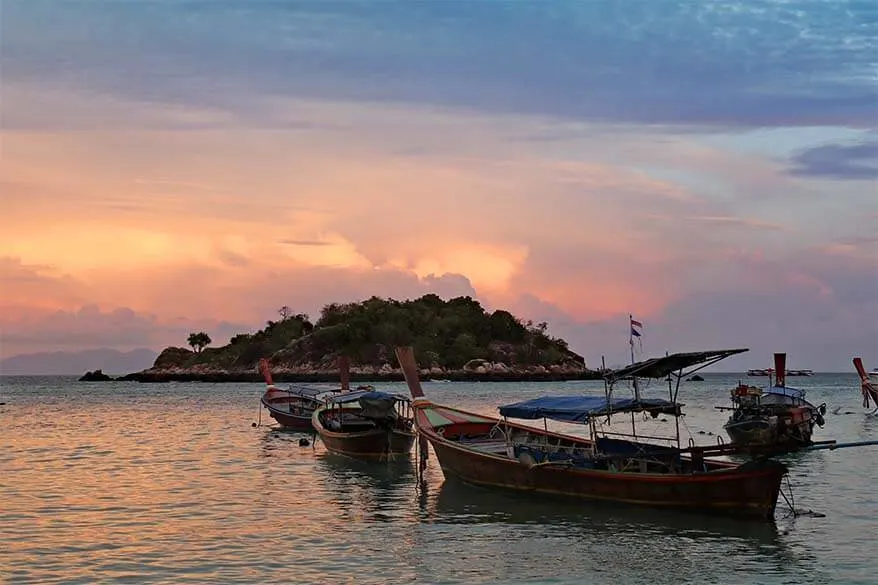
[{"x": 631, "y": 335}]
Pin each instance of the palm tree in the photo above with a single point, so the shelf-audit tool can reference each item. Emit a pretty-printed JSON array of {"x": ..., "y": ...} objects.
[{"x": 198, "y": 341}]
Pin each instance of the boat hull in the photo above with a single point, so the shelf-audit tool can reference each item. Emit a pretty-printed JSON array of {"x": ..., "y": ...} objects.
[
  {"x": 747, "y": 491},
  {"x": 377, "y": 444},
  {"x": 289, "y": 421},
  {"x": 777, "y": 427},
  {"x": 362, "y": 439},
  {"x": 761, "y": 433}
]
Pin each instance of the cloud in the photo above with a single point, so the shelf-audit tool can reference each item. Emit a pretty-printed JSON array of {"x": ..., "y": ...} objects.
[
  {"x": 820, "y": 307},
  {"x": 173, "y": 301},
  {"x": 36, "y": 286},
  {"x": 737, "y": 221},
  {"x": 838, "y": 161},
  {"x": 304, "y": 243},
  {"x": 216, "y": 162},
  {"x": 90, "y": 327},
  {"x": 745, "y": 65}
]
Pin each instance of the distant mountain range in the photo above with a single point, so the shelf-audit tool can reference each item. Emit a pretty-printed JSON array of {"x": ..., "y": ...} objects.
[{"x": 111, "y": 361}]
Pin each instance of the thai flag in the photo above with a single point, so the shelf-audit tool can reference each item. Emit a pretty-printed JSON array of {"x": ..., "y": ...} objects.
[{"x": 634, "y": 324}]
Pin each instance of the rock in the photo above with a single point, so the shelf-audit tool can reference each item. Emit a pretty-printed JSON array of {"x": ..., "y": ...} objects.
[
  {"x": 475, "y": 364},
  {"x": 695, "y": 378},
  {"x": 172, "y": 356},
  {"x": 95, "y": 376}
]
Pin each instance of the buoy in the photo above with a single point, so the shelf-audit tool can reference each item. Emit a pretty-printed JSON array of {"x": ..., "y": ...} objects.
[{"x": 303, "y": 442}]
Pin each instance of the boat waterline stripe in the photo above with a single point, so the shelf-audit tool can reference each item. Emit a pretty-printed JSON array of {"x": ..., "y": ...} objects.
[{"x": 661, "y": 503}]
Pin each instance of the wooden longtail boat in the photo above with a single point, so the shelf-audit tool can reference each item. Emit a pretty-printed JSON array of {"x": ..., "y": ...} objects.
[
  {"x": 494, "y": 452},
  {"x": 293, "y": 407},
  {"x": 774, "y": 419},
  {"x": 366, "y": 424}
]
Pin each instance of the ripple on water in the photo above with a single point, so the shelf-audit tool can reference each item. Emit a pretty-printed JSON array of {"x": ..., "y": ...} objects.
[{"x": 156, "y": 484}]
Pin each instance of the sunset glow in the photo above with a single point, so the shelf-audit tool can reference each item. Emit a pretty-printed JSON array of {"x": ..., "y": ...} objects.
[{"x": 204, "y": 174}]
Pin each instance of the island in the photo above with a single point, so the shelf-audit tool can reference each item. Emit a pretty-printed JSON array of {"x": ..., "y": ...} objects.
[
  {"x": 453, "y": 340},
  {"x": 95, "y": 376}
]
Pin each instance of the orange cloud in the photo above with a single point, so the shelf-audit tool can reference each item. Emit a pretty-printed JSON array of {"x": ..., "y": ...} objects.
[{"x": 171, "y": 211}]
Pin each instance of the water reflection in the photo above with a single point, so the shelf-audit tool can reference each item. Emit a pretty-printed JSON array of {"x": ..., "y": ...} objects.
[
  {"x": 144, "y": 483},
  {"x": 588, "y": 539},
  {"x": 277, "y": 441},
  {"x": 368, "y": 490}
]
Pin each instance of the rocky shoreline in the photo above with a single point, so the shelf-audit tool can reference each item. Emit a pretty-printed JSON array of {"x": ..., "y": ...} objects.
[
  {"x": 473, "y": 371},
  {"x": 330, "y": 377}
]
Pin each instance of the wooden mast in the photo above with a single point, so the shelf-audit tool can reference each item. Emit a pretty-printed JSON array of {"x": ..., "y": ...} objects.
[
  {"x": 344, "y": 372},
  {"x": 780, "y": 370},
  {"x": 406, "y": 357},
  {"x": 869, "y": 389}
]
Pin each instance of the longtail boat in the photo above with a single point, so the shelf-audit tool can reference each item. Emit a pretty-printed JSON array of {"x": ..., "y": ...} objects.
[
  {"x": 293, "y": 407},
  {"x": 495, "y": 452},
  {"x": 869, "y": 389},
  {"x": 365, "y": 424},
  {"x": 775, "y": 418}
]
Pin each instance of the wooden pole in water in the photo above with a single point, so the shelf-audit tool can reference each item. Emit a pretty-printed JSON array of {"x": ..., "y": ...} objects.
[{"x": 833, "y": 445}]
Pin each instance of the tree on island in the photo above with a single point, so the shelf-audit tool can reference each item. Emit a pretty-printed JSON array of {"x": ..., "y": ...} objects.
[{"x": 198, "y": 341}]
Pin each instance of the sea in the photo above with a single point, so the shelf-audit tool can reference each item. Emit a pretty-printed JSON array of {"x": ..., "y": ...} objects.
[{"x": 121, "y": 482}]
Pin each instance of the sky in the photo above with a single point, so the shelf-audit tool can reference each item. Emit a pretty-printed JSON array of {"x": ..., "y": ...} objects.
[{"x": 709, "y": 167}]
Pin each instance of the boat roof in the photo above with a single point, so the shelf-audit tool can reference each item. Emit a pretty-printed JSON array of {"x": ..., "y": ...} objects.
[
  {"x": 355, "y": 396},
  {"x": 581, "y": 408},
  {"x": 304, "y": 391},
  {"x": 661, "y": 367},
  {"x": 785, "y": 391}
]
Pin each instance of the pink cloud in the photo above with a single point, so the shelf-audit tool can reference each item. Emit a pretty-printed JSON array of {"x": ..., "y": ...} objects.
[
  {"x": 161, "y": 307},
  {"x": 91, "y": 327},
  {"x": 227, "y": 221}
]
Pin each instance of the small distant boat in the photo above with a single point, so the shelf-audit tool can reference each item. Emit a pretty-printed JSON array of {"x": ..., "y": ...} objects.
[
  {"x": 770, "y": 372},
  {"x": 293, "y": 407},
  {"x": 365, "y": 424},
  {"x": 869, "y": 389},
  {"x": 772, "y": 418}
]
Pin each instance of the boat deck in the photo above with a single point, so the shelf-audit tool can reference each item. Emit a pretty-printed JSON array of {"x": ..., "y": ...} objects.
[
  {"x": 491, "y": 446},
  {"x": 611, "y": 454}
]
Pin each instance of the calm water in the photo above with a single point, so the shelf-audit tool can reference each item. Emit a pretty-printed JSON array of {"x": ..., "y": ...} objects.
[{"x": 121, "y": 482}]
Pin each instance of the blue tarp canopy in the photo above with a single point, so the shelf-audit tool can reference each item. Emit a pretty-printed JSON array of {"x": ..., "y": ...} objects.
[
  {"x": 581, "y": 408},
  {"x": 347, "y": 397}
]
